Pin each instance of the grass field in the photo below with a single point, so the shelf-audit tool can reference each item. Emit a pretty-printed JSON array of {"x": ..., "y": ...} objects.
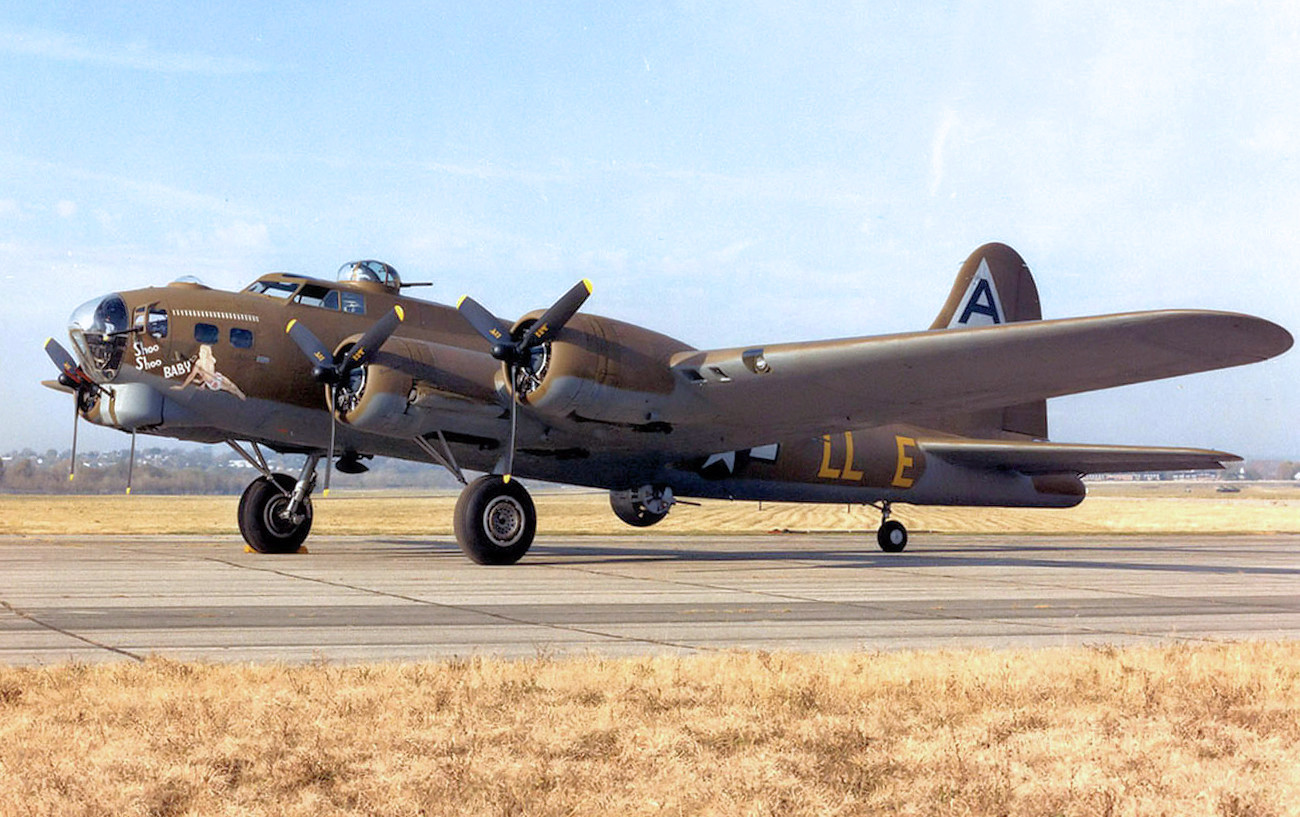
[
  {"x": 1111, "y": 508},
  {"x": 1207, "y": 730},
  {"x": 1176, "y": 731}
]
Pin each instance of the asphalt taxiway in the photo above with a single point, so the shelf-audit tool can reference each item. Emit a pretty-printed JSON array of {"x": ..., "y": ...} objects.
[{"x": 386, "y": 598}]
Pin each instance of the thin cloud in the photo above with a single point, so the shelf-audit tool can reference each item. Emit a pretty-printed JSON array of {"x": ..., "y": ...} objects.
[
  {"x": 153, "y": 193},
  {"x": 54, "y": 45}
]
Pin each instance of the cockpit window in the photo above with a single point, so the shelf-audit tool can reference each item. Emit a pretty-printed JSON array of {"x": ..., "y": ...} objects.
[
  {"x": 313, "y": 295},
  {"x": 276, "y": 289},
  {"x": 354, "y": 303}
]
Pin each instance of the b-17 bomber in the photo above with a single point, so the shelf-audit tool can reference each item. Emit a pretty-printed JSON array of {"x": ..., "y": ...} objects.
[{"x": 342, "y": 371}]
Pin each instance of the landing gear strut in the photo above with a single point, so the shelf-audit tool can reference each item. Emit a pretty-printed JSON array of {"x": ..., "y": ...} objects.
[
  {"x": 495, "y": 520},
  {"x": 891, "y": 536}
]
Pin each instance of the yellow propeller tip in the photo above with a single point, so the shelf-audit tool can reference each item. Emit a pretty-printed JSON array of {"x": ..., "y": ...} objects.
[
  {"x": 401, "y": 316},
  {"x": 289, "y": 328},
  {"x": 587, "y": 283},
  {"x": 460, "y": 300},
  {"x": 506, "y": 479}
]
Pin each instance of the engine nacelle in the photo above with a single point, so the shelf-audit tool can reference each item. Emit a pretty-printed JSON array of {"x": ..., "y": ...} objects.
[
  {"x": 408, "y": 380},
  {"x": 127, "y": 406},
  {"x": 604, "y": 370}
]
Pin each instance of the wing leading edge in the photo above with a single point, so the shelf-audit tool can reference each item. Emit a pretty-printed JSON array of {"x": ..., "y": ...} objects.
[{"x": 767, "y": 392}]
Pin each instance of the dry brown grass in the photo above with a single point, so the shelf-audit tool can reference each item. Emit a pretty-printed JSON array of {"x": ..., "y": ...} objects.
[
  {"x": 1177, "y": 731},
  {"x": 1140, "y": 508}
]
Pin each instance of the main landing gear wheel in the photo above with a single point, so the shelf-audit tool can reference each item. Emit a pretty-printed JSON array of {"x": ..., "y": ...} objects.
[
  {"x": 495, "y": 521},
  {"x": 892, "y": 536},
  {"x": 262, "y": 520},
  {"x": 632, "y": 507}
]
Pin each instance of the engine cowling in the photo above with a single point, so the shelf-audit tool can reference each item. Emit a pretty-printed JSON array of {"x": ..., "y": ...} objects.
[
  {"x": 376, "y": 398},
  {"x": 599, "y": 369}
]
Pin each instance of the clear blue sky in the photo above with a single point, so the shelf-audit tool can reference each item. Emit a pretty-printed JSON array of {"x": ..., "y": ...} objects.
[{"x": 750, "y": 173}]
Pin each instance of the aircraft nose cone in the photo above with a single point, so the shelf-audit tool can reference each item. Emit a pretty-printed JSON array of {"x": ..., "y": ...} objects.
[{"x": 98, "y": 329}]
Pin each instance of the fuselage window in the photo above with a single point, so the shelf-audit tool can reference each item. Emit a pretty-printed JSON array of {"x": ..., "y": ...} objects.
[
  {"x": 206, "y": 333},
  {"x": 241, "y": 338},
  {"x": 157, "y": 325},
  {"x": 354, "y": 303},
  {"x": 276, "y": 289}
]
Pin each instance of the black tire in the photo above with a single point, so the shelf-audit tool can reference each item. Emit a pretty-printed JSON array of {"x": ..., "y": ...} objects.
[
  {"x": 259, "y": 519},
  {"x": 892, "y": 537},
  {"x": 495, "y": 521},
  {"x": 631, "y": 511}
]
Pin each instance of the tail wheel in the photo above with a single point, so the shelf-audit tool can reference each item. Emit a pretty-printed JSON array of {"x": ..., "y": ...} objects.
[
  {"x": 495, "y": 521},
  {"x": 261, "y": 516},
  {"x": 892, "y": 536},
  {"x": 629, "y": 507}
]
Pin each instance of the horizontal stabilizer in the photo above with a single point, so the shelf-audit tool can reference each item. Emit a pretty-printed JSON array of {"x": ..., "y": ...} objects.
[{"x": 1064, "y": 458}]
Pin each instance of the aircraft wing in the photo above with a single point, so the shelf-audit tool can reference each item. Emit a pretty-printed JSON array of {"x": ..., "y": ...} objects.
[
  {"x": 1058, "y": 458},
  {"x": 754, "y": 395}
]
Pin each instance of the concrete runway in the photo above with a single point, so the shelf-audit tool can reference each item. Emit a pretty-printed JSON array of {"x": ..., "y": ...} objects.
[{"x": 367, "y": 598}]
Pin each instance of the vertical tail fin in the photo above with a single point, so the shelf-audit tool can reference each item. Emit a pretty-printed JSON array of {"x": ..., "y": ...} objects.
[{"x": 994, "y": 287}]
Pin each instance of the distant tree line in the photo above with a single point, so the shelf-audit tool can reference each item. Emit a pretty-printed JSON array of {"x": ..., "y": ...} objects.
[{"x": 213, "y": 470}]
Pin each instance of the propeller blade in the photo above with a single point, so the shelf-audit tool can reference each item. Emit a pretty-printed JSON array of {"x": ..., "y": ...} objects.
[
  {"x": 61, "y": 358},
  {"x": 514, "y": 417},
  {"x": 130, "y": 465},
  {"x": 334, "y": 425},
  {"x": 321, "y": 359},
  {"x": 76, "y": 421},
  {"x": 371, "y": 341},
  {"x": 67, "y": 365},
  {"x": 554, "y": 319},
  {"x": 484, "y": 322}
]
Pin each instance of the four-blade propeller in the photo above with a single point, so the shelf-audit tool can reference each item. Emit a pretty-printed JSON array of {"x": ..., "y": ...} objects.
[
  {"x": 517, "y": 354},
  {"x": 335, "y": 374}
]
